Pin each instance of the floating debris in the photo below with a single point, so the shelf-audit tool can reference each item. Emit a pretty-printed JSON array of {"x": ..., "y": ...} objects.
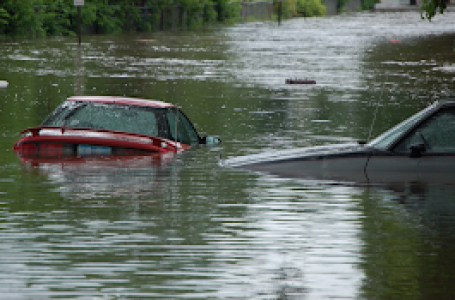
[
  {"x": 300, "y": 81},
  {"x": 146, "y": 40}
]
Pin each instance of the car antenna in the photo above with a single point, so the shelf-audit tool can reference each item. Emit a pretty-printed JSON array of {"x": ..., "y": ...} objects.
[
  {"x": 374, "y": 115},
  {"x": 176, "y": 125}
]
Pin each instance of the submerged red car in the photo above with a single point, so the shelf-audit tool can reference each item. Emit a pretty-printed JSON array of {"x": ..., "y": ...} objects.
[{"x": 109, "y": 125}]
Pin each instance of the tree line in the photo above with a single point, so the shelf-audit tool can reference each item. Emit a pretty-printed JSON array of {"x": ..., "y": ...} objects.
[{"x": 34, "y": 18}]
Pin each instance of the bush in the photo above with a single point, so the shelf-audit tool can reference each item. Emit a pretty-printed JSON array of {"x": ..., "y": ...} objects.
[
  {"x": 368, "y": 4},
  {"x": 227, "y": 10},
  {"x": 211, "y": 14},
  {"x": 298, "y": 8},
  {"x": 288, "y": 8},
  {"x": 310, "y": 8}
]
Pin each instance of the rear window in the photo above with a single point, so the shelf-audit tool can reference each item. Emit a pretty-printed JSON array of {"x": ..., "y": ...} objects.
[
  {"x": 159, "y": 122},
  {"x": 116, "y": 117}
]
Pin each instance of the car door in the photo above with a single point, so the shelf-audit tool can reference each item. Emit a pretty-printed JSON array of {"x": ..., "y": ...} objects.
[
  {"x": 427, "y": 153},
  {"x": 186, "y": 133},
  {"x": 437, "y": 157},
  {"x": 391, "y": 166}
]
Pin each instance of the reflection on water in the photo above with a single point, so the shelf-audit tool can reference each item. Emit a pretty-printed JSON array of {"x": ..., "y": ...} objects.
[
  {"x": 184, "y": 228},
  {"x": 265, "y": 238},
  {"x": 104, "y": 177},
  {"x": 408, "y": 254}
]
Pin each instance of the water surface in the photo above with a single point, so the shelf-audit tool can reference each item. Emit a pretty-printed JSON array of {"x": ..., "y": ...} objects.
[{"x": 182, "y": 227}]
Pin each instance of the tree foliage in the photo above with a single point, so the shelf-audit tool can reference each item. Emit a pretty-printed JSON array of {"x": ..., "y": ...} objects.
[
  {"x": 431, "y": 7},
  {"x": 302, "y": 8},
  {"x": 310, "y": 8},
  {"x": 4, "y": 17},
  {"x": 32, "y": 18},
  {"x": 19, "y": 18},
  {"x": 368, "y": 4}
]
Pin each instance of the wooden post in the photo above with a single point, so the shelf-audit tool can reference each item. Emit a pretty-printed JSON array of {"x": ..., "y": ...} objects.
[
  {"x": 280, "y": 10},
  {"x": 79, "y": 31},
  {"x": 243, "y": 12},
  {"x": 78, "y": 4},
  {"x": 174, "y": 16},
  {"x": 185, "y": 18},
  {"x": 270, "y": 11},
  {"x": 162, "y": 19}
]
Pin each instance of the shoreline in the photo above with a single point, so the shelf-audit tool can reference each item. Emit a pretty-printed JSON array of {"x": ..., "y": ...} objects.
[{"x": 388, "y": 6}]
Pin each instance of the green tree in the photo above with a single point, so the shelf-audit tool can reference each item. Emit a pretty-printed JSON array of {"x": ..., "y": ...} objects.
[
  {"x": 59, "y": 17},
  {"x": 306, "y": 8},
  {"x": 368, "y": 4},
  {"x": 18, "y": 18},
  {"x": 431, "y": 7},
  {"x": 56, "y": 18},
  {"x": 106, "y": 20},
  {"x": 223, "y": 10},
  {"x": 310, "y": 8},
  {"x": 4, "y": 19},
  {"x": 32, "y": 18}
]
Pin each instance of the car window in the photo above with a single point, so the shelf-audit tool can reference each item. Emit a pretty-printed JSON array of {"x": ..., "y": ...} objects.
[
  {"x": 186, "y": 132},
  {"x": 437, "y": 134},
  {"x": 57, "y": 116},
  {"x": 389, "y": 137},
  {"x": 125, "y": 118}
]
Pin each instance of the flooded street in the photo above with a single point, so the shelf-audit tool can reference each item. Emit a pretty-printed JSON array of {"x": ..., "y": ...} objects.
[{"x": 183, "y": 227}]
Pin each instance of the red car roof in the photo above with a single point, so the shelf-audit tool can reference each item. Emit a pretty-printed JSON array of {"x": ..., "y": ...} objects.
[{"x": 122, "y": 100}]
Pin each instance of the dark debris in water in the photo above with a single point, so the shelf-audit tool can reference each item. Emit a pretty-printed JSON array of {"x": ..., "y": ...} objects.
[{"x": 300, "y": 81}]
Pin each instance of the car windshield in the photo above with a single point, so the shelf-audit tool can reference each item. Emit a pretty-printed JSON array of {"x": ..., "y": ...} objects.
[
  {"x": 124, "y": 118},
  {"x": 385, "y": 140}
]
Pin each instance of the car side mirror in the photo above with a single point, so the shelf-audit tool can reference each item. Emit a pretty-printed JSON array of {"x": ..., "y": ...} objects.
[
  {"x": 211, "y": 140},
  {"x": 417, "y": 150}
]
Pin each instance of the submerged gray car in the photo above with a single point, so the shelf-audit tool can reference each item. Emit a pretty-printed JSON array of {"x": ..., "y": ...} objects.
[{"x": 420, "y": 148}]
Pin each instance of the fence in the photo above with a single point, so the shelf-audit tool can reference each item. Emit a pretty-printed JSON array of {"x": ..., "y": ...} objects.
[{"x": 257, "y": 10}]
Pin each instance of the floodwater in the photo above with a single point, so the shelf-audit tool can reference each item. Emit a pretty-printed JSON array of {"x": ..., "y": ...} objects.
[{"x": 183, "y": 227}]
